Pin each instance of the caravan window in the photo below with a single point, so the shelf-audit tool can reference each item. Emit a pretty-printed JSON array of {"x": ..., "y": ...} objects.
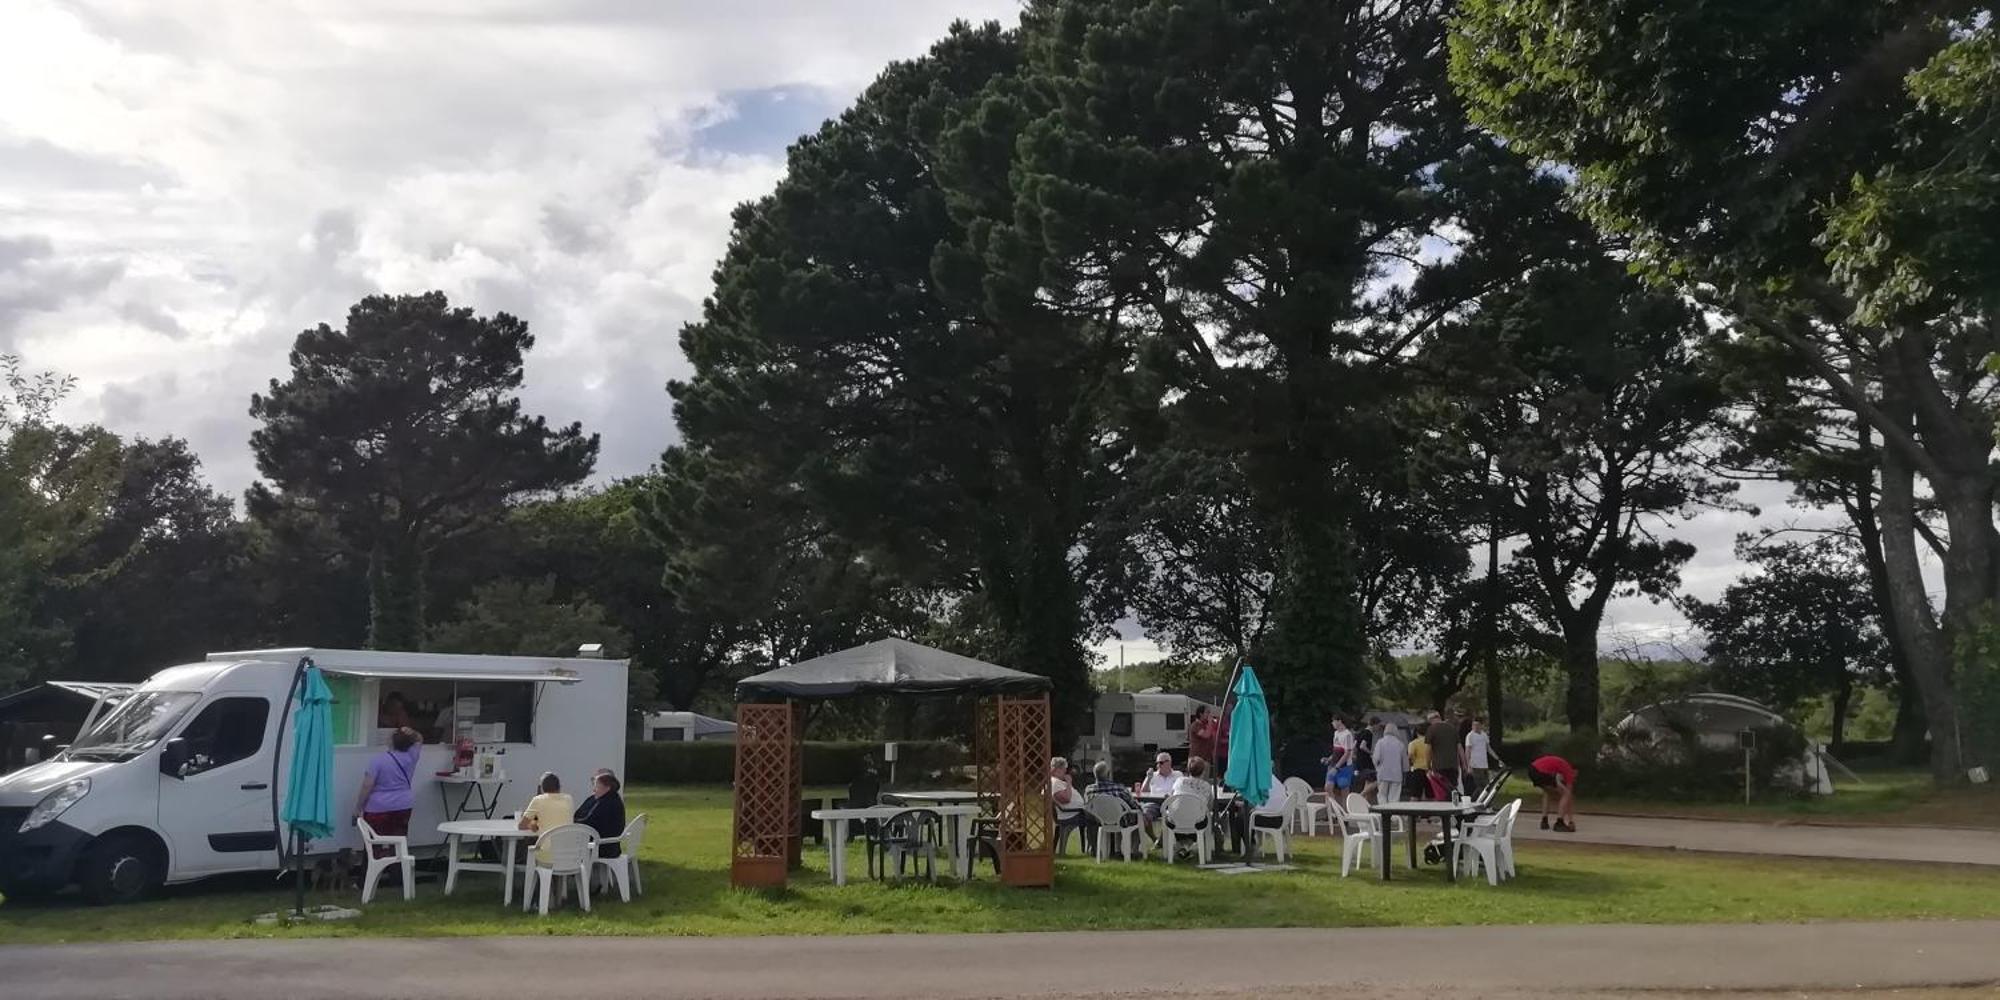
[
  {"x": 228, "y": 730},
  {"x": 1121, "y": 723},
  {"x": 674, "y": 734},
  {"x": 1176, "y": 721}
]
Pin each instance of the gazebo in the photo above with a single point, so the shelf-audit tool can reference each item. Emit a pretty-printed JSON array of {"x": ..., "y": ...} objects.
[{"x": 1010, "y": 740}]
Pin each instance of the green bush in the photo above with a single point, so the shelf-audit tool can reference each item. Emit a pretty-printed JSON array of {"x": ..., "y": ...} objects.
[{"x": 826, "y": 763}]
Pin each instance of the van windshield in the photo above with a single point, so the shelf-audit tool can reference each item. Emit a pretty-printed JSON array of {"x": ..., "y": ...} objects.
[{"x": 137, "y": 723}]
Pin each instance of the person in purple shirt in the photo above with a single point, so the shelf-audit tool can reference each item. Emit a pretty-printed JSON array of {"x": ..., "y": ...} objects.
[{"x": 386, "y": 790}]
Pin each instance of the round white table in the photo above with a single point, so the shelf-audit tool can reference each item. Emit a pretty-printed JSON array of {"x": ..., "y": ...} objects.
[
  {"x": 947, "y": 797},
  {"x": 503, "y": 830}
]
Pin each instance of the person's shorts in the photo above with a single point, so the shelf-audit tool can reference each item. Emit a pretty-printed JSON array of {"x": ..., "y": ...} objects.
[
  {"x": 1363, "y": 777},
  {"x": 1542, "y": 779}
]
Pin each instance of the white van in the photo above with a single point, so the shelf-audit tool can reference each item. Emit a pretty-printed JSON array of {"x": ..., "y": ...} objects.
[
  {"x": 181, "y": 780},
  {"x": 1150, "y": 721}
]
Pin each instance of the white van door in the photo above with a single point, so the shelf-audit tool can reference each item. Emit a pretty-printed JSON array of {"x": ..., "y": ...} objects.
[{"x": 218, "y": 816}]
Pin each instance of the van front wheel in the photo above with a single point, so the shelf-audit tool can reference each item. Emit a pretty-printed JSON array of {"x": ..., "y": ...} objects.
[{"x": 119, "y": 869}]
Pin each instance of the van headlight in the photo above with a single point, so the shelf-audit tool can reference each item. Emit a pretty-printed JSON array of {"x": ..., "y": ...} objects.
[{"x": 54, "y": 803}]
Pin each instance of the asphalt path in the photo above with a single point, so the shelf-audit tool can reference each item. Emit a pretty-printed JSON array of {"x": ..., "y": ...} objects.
[{"x": 1521, "y": 961}]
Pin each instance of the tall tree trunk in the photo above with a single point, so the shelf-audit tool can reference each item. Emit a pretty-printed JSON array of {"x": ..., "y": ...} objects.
[
  {"x": 1909, "y": 603},
  {"x": 396, "y": 591},
  {"x": 1496, "y": 702},
  {"x": 1907, "y": 738},
  {"x": 1581, "y": 698}
]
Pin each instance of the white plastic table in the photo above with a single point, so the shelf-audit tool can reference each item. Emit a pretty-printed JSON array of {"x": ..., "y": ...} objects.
[
  {"x": 503, "y": 830},
  {"x": 839, "y": 819},
  {"x": 947, "y": 797},
  {"x": 1448, "y": 815}
]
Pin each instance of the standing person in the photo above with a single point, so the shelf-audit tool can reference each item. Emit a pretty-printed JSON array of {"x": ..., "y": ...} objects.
[
  {"x": 1340, "y": 762},
  {"x": 1417, "y": 783},
  {"x": 386, "y": 794},
  {"x": 1444, "y": 739},
  {"x": 1479, "y": 755},
  {"x": 1556, "y": 778},
  {"x": 1392, "y": 761},
  {"x": 1202, "y": 733},
  {"x": 1364, "y": 756}
]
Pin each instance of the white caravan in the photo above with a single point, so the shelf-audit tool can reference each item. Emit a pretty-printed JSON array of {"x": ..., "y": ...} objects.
[
  {"x": 1148, "y": 721},
  {"x": 180, "y": 780}
]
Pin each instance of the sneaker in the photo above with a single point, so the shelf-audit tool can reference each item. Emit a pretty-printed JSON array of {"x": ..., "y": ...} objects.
[
  {"x": 1562, "y": 827},
  {"x": 1545, "y": 822}
]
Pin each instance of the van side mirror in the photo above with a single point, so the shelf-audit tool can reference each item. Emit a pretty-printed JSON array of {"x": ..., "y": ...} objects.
[{"x": 173, "y": 757}]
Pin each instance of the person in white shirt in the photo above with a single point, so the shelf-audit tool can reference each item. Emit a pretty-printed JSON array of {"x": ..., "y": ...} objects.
[
  {"x": 1159, "y": 781},
  {"x": 1342, "y": 756},
  {"x": 1195, "y": 782},
  {"x": 1392, "y": 761},
  {"x": 1060, "y": 792},
  {"x": 1479, "y": 754}
]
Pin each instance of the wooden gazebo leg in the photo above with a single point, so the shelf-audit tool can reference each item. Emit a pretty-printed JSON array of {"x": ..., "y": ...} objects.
[
  {"x": 765, "y": 825},
  {"x": 1027, "y": 819}
]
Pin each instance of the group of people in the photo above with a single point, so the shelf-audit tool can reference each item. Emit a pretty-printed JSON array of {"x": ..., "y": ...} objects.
[
  {"x": 388, "y": 796},
  {"x": 1441, "y": 757},
  {"x": 1145, "y": 796}
]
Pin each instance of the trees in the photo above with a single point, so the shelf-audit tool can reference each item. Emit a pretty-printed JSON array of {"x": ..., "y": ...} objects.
[
  {"x": 1263, "y": 192},
  {"x": 402, "y": 430},
  {"x": 1820, "y": 174},
  {"x": 1804, "y": 627},
  {"x": 877, "y": 351},
  {"x": 1595, "y": 402}
]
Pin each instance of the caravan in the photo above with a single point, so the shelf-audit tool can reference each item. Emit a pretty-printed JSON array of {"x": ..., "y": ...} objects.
[
  {"x": 1149, "y": 721},
  {"x": 182, "y": 779}
]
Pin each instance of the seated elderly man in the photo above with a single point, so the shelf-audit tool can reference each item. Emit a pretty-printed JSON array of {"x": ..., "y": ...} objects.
[
  {"x": 1068, "y": 802},
  {"x": 1105, "y": 786}
]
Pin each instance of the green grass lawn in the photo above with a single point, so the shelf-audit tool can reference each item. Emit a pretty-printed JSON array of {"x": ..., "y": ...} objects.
[
  {"x": 1901, "y": 797},
  {"x": 688, "y": 893}
]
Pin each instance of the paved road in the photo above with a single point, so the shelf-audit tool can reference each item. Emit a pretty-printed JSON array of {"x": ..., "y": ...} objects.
[
  {"x": 1966, "y": 847},
  {"x": 1523, "y": 961}
]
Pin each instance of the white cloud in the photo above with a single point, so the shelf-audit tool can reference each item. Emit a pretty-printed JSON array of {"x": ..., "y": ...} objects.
[{"x": 183, "y": 187}]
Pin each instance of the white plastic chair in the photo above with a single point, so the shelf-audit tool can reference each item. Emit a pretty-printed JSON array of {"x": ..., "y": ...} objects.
[
  {"x": 1489, "y": 842},
  {"x": 400, "y": 855},
  {"x": 1184, "y": 815},
  {"x": 1360, "y": 830},
  {"x": 1305, "y": 812},
  {"x": 1283, "y": 814},
  {"x": 1110, "y": 812},
  {"x": 571, "y": 850},
  {"x": 624, "y": 869}
]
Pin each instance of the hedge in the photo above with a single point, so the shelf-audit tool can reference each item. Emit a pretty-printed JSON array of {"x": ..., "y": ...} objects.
[{"x": 826, "y": 763}]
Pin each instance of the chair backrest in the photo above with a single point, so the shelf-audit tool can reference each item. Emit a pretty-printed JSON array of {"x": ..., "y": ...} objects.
[
  {"x": 634, "y": 835},
  {"x": 1339, "y": 810},
  {"x": 368, "y": 834},
  {"x": 1357, "y": 803},
  {"x": 1184, "y": 811},
  {"x": 1109, "y": 810},
  {"x": 568, "y": 847},
  {"x": 1504, "y": 827},
  {"x": 1282, "y": 803},
  {"x": 921, "y": 826},
  {"x": 1301, "y": 791}
]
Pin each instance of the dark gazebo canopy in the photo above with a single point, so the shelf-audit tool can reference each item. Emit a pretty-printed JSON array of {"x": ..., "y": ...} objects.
[{"x": 888, "y": 666}]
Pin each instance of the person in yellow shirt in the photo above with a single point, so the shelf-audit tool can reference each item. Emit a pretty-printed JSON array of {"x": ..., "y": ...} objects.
[
  {"x": 1417, "y": 784},
  {"x": 548, "y": 810}
]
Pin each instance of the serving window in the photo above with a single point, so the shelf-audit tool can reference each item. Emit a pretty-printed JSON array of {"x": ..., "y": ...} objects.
[{"x": 444, "y": 710}]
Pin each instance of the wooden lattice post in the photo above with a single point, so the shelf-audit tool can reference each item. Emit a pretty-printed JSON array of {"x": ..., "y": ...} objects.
[
  {"x": 796, "y": 794},
  {"x": 765, "y": 826},
  {"x": 986, "y": 755},
  {"x": 1027, "y": 818}
]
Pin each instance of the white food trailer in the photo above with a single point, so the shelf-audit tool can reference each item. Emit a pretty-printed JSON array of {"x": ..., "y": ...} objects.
[{"x": 178, "y": 781}]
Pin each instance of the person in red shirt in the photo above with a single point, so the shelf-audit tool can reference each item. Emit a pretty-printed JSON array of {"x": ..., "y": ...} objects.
[
  {"x": 1202, "y": 734},
  {"x": 1556, "y": 778}
]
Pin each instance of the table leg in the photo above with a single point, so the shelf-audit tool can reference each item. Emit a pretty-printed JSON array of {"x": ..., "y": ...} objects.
[
  {"x": 1450, "y": 862},
  {"x": 1413, "y": 843},
  {"x": 837, "y": 859},
  {"x": 450, "y": 863},
  {"x": 1385, "y": 845},
  {"x": 507, "y": 870}
]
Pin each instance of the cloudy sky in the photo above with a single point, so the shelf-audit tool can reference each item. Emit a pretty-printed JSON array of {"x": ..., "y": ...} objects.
[{"x": 186, "y": 185}]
